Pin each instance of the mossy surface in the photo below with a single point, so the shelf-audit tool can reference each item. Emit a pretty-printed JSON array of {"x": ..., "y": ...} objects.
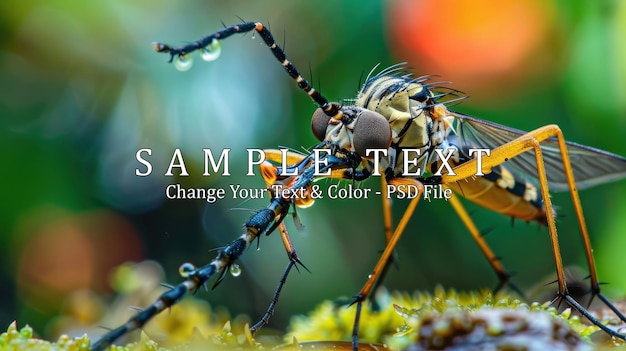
[{"x": 418, "y": 321}]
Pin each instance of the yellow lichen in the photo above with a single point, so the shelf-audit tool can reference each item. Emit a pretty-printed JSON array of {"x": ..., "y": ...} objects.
[
  {"x": 446, "y": 314},
  {"x": 402, "y": 321}
]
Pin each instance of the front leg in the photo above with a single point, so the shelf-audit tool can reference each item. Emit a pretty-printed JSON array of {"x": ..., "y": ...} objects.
[{"x": 387, "y": 253}]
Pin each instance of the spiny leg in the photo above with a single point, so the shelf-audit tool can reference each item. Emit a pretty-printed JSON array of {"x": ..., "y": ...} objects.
[
  {"x": 270, "y": 175},
  {"x": 527, "y": 142},
  {"x": 385, "y": 256},
  {"x": 595, "y": 284},
  {"x": 261, "y": 222},
  {"x": 294, "y": 261},
  {"x": 270, "y": 310},
  {"x": 494, "y": 261},
  {"x": 388, "y": 223},
  {"x": 195, "y": 279},
  {"x": 387, "y": 217},
  {"x": 331, "y": 109}
]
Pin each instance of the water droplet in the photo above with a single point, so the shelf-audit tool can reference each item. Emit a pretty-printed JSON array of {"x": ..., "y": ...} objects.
[
  {"x": 258, "y": 248},
  {"x": 212, "y": 51},
  {"x": 235, "y": 270},
  {"x": 186, "y": 269},
  {"x": 183, "y": 63}
]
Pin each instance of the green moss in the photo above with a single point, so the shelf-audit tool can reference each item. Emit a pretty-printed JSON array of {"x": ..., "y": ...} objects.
[
  {"x": 404, "y": 321},
  {"x": 449, "y": 318},
  {"x": 14, "y": 340}
]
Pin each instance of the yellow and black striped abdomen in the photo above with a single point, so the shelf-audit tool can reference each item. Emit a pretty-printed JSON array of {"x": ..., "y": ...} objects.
[{"x": 502, "y": 192}]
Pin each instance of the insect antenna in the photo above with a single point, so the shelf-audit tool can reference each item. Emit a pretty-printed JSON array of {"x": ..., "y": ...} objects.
[{"x": 210, "y": 44}]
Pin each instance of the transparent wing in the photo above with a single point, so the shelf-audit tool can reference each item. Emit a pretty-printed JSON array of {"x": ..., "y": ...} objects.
[{"x": 591, "y": 166}]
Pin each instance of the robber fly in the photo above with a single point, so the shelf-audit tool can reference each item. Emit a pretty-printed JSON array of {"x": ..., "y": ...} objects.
[{"x": 399, "y": 127}]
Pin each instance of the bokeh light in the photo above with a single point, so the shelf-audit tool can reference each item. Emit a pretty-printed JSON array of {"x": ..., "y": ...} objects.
[{"x": 479, "y": 45}]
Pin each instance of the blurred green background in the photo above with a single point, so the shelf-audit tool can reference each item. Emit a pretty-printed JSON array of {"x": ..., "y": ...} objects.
[{"x": 82, "y": 91}]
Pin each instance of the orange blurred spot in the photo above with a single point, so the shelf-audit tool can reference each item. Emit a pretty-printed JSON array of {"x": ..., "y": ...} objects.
[
  {"x": 477, "y": 44},
  {"x": 62, "y": 252},
  {"x": 59, "y": 258}
]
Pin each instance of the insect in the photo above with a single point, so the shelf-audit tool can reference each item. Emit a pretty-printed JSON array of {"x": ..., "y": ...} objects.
[{"x": 399, "y": 128}]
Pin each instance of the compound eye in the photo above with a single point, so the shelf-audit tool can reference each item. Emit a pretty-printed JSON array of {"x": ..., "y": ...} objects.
[
  {"x": 319, "y": 124},
  {"x": 371, "y": 131}
]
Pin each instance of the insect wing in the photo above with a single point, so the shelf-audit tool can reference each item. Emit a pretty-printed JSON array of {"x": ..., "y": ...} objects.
[{"x": 590, "y": 166}]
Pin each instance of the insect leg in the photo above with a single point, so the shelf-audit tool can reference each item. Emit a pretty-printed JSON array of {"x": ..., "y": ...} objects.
[
  {"x": 388, "y": 223},
  {"x": 195, "y": 279},
  {"x": 530, "y": 141},
  {"x": 495, "y": 263},
  {"x": 294, "y": 261},
  {"x": 387, "y": 218},
  {"x": 271, "y": 175},
  {"x": 270, "y": 310},
  {"x": 331, "y": 109},
  {"x": 595, "y": 284},
  {"x": 385, "y": 256}
]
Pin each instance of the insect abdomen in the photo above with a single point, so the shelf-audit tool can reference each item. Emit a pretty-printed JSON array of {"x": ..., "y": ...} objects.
[{"x": 502, "y": 192}]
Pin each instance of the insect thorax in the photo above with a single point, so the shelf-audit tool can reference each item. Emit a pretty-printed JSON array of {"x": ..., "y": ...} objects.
[{"x": 408, "y": 107}]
